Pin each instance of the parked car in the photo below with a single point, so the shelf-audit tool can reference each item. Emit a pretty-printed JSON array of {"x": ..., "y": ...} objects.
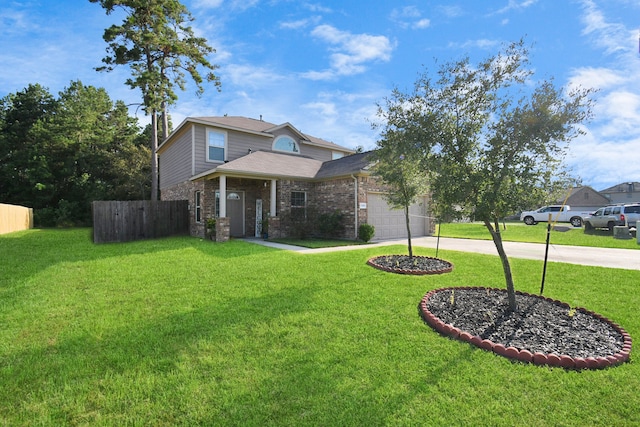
[
  {"x": 611, "y": 216},
  {"x": 558, "y": 213}
]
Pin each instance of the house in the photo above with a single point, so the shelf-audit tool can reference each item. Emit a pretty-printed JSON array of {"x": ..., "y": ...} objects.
[
  {"x": 625, "y": 192},
  {"x": 266, "y": 170},
  {"x": 585, "y": 199}
]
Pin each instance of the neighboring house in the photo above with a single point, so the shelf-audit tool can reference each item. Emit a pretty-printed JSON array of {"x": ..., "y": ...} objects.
[
  {"x": 275, "y": 171},
  {"x": 626, "y": 192},
  {"x": 585, "y": 199}
]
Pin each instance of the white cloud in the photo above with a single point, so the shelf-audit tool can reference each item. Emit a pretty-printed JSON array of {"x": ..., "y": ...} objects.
[
  {"x": 301, "y": 23},
  {"x": 451, "y": 11},
  {"x": 326, "y": 109},
  {"x": 250, "y": 76},
  {"x": 317, "y": 8},
  {"x": 240, "y": 5},
  {"x": 208, "y": 4},
  {"x": 409, "y": 17},
  {"x": 422, "y": 23},
  {"x": 613, "y": 37},
  {"x": 479, "y": 43},
  {"x": 351, "y": 52},
  {"x": 607, "y": 154},
  {"x": 598, "y": 78},
  {"x": 15, "y": 22},
  {"x": 516, "y": 5}
]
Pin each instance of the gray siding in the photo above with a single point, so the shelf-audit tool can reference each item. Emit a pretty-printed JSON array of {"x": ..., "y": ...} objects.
[
  {"x": 240, "y": 143},
  {"x": 317, "y": 153},
  {"x": 175, "y": 161},
  {"x": 201, "y": 164},
  {"x": 177, "y": 165}
]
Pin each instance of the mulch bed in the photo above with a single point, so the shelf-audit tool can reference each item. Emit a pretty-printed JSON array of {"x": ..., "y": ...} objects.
[
  {"x": 404, "y": 264},
  {"x": 540, "y": 331}
]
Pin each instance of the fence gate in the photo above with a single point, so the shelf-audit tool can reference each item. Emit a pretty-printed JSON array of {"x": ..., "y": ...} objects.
[{"x": 123, "y": 221}]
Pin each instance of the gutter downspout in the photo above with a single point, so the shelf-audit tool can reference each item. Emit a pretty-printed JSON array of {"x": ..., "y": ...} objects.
[{"x": 355, "y": 212}]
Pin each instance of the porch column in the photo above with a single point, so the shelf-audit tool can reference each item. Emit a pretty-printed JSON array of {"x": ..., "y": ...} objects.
[
  {"x": 223, "y": 196},
  {"x": 272, "y": 204}
]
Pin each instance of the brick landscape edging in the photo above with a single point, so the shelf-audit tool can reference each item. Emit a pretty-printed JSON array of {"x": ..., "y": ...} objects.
[{"x": 524, "y": 355}]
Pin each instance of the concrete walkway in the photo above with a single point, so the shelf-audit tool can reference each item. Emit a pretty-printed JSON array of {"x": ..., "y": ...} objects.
[{"x": 628, "y": 259}]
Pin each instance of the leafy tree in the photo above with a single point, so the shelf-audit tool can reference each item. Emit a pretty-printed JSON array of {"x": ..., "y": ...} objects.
[
  {"x": 399, "y": 165},
  {"x": 58, "y": 155},
  {"x": 24, "y": 170},
  {"x": 159, "y": 46},
  {"x": 490, "y": 144}
]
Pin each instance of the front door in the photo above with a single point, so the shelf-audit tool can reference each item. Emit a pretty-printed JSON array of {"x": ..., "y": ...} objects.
[{"x": 235, "y": 211}]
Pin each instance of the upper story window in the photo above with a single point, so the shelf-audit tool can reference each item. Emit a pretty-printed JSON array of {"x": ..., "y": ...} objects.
[
  {"x": 286, "y": 143},
  {"x": 216, "y": 146},
  {"x": 335, "y": 155}
]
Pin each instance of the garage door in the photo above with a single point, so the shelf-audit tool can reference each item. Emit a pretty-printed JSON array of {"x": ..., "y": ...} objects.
[{"x": 390, "y": 223}]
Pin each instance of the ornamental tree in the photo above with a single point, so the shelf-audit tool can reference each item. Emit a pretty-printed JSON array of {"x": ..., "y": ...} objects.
[
  {"x": 398, "y": 160},
  {"x": 491, "y": 139}
]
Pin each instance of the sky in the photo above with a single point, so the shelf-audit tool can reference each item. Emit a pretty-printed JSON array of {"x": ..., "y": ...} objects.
[{"x": 325, "y": 65}]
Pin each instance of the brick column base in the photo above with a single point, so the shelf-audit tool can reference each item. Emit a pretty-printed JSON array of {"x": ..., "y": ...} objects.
[{"x": 223, "y": 229}]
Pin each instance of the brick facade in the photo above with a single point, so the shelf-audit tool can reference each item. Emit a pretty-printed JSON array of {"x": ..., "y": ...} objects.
[{"x": 323, "y": 197}]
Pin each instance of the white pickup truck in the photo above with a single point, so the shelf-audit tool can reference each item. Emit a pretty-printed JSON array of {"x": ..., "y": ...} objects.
[{"x": 558, "y": 213}]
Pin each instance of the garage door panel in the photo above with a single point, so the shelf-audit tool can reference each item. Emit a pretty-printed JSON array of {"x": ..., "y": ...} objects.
[{"x": 390, "y": 223}]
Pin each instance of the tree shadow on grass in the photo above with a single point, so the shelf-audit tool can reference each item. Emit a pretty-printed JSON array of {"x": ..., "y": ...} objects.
[{"x": 144, "y": 358}]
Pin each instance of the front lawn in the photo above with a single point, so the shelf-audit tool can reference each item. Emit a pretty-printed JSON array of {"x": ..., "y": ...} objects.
[
  {"x": 183, "y": 331},
  {"x": 519, "y": 232},
  {"x": 314, "y": 243}
]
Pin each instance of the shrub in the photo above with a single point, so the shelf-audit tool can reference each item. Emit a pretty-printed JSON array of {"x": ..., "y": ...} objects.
[
  {"x": 331, "y": 224},
  {"x": 366, "y": 232},
  {"x": 211, "y": 228}
]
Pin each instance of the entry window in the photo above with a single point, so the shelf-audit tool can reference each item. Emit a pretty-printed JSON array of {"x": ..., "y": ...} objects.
[
  {"x": 286, "y": 143},
  {"x": 198, "y": 206},
  {"x": 217, "y": 204},
  {"x": 216, "y": 146},
  {"x": 298, "y": 205}
]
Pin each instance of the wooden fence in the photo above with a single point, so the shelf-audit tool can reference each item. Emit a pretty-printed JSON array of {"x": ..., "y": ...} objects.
[
  {"x": 123, "y": 221},
  {"x": 15, "y": 218}
]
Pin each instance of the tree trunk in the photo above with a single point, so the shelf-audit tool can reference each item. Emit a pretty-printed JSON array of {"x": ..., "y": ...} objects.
[
  {"x": 165, "y": 121},
  {"x": 406, "y": 215},
  {"x": 497, "y": 240},
  {"x": 154, "y": 155}
]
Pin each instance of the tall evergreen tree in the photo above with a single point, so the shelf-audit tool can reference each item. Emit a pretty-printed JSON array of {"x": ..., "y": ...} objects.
[{"x": 157, "y": 43}]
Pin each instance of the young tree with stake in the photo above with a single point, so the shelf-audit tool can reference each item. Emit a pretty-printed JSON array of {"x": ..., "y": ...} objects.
[{"x": 490, "y": 144}]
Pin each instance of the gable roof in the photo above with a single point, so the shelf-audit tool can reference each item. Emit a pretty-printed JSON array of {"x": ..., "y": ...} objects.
[
  {"x": 585, "y": 196},
  {"x": 267, "y": 164},
  {"x": 257, "y": 127},
  {"x": 345, "y": 166},
  {"x": 276, "y": 165},
  {"x": 623, "y": 187}
]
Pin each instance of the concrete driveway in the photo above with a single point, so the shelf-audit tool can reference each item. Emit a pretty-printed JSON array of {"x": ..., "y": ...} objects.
[{"x": 628, "y": 259}]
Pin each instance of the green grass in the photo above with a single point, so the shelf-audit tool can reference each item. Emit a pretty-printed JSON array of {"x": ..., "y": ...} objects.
[
  {"x": 318, "y": 243},
  {"x": 519, "y": 232},
  {"x": 183, "y": 331}
]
